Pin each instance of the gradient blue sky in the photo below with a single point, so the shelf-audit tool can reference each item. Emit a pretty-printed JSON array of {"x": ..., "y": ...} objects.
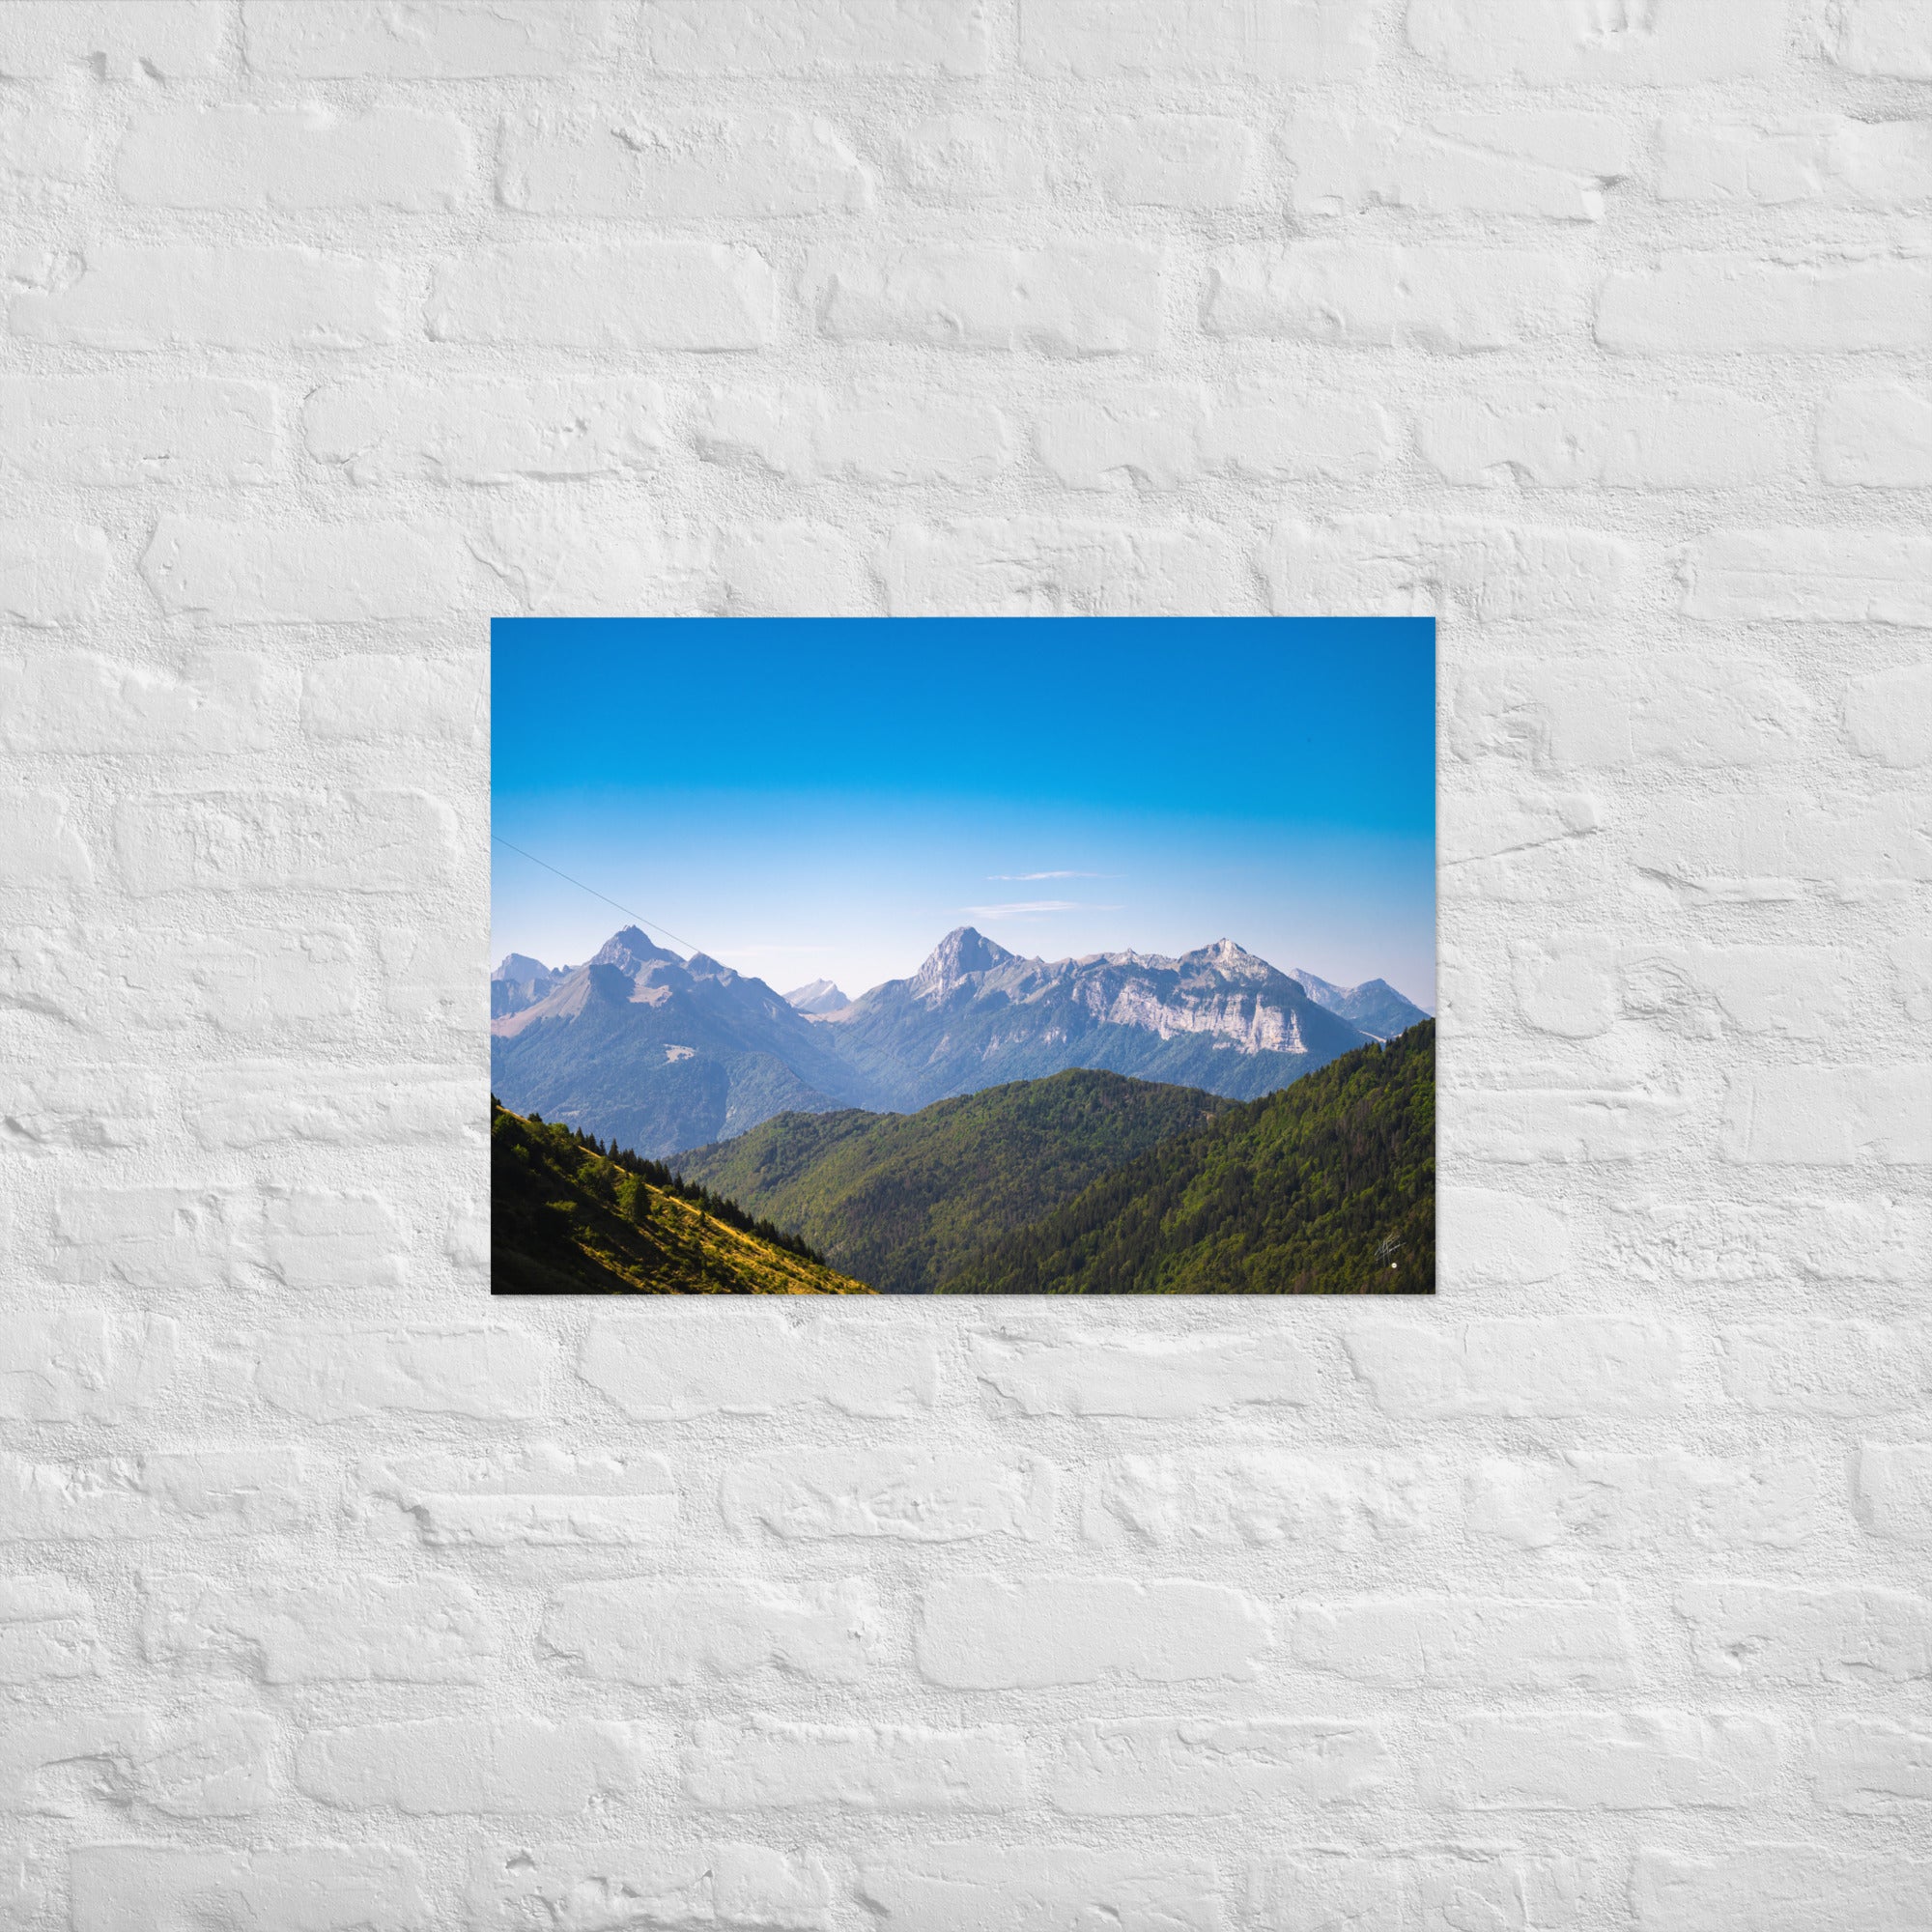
[{"x": 824, "y": 797}]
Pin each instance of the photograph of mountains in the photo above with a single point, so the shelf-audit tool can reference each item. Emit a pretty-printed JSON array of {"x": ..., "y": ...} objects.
[{"x": 1052, "y": 1094}]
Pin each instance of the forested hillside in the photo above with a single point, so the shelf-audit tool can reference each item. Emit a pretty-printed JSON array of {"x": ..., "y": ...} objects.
[
  {"x": 569, "y": 1217},
  {"x": 899, "y": 1200},
  {"x": 1328, "y": 1188}
]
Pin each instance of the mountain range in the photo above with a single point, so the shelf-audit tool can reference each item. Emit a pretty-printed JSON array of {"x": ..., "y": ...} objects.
[{"x": 661, "y": 1053}]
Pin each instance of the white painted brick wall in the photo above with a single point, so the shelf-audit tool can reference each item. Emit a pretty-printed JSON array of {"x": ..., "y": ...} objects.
[{"x": 1593, "y": 1595}]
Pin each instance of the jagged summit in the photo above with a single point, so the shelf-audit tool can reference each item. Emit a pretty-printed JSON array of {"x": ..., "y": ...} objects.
[
  {"x": 820, "y": 996},
  {"x": 518, "y": 966},
  {"x": 962, "y": 951},
  {"x": 629, "y": 949}
]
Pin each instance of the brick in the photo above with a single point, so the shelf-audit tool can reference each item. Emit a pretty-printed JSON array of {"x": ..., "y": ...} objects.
[
  {"x": 156, "y": 1237},
  {"x": 1210, "y": 1767},
  {"x": 1833, "y": 576},
  {"x": 455, "y": 39},
  {"x": 787, "y": 569},
  {"x": 1880, "y": 37},
  {"x": 1038, "y": 1888},
  {"x": 1793, "y": 1634},
  {"x": 1842, "y": 1239},
  {"x": 1530, "y": 1126},
  {"x": 1585, "y": 1365},
  {"x": 1468, "y": 1643},
  {"x": 296, "y": 1889},
  {"x": 1875, "y": 435},
  {"x": 251, "y": 1103},
  {"x": 808, "y": 436},
  {"x": 317, "y": 1237},
  {"x": 983, "y": 1633},
  {"x": 680, "y": 170},
  {"x": 184, "y": 296},
  {"x": 1603, "y": 1499},
  {"x": 1894, "y": 1491},
  {"x": 371, "y": 697},
  {"x": 1356, "y": 294},
  {"x": 954, "y": 159},
  {"x": 1797, "y": 992},
  {"x": 313, "y": 574},
  {"x": 41, "y": 40},
  {"x": 195, "y": 1493},
  {"x": 1289, "y": 42},
  {"x": 295, "y": 157},
  {"x": 383, "y": 430},
  {"x": 652, "y": 1632},
  {"x": 73, "y": 1364},
  {"x": 1833, "y": 1368},
  {"x": 1784, "y": 847},
  {"x": 462, "y": 1767},
  {"x": 40, "y": 143},
  {"x": 1865, "y": 1764},
  {"x": 114, "y": 431},
  {"x": 1565, "y": 437},
  {"x": 74, "y": 1106},
  {"x": 1145, "y": 441},
  {"x": 746, "y": 1361},
  {"x": 1553, "y": 165},
  {"x": 1824, "y": 158},
  {"x": 1255, "y": 435},
  {"x": 1780, "y": 1888},
  {"x": 1524, "y": 40},
  {"x": 1209, "y": 1499},
  {"x": 431, "y": 1630},
  {"x": 1051, "y": 1371},
  {"x": 1449, "y": 567},
  {"x": 338, "y": 1371},
  {"x": 758, "y": 1764},
  {"x": 532, "y": 1496},
  {"x": 768, "y": 37},
  {"x": 905, "y": 1494},
  {"x": 1589, "y": 1761},
  {"x": 629, "y": 295},
  {"x": 52, "y": 573},
  {"x": 1441, "y": 1891},
  {"x": 1172, "y": 161},
  {"x": 216, "y": 1763},
  {"x": 38, "y": 846},
  {"x": 718, "y": 1885},
  {"x": 219, "y": 702},
  {"x": 1033, "y": 567},
  {"x": 368, "y": 842},
  {"x": 47, "y": 1634},
  {"x": 1830, "y": 1116},
  {"x": 1486, "y": 1236},
  {"x": 1693, "y": 303},
  {"x": 1073, "y": 299}
]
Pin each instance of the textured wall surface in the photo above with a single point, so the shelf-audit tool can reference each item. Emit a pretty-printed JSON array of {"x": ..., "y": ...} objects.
[{"x": 1593, "y": 1594}]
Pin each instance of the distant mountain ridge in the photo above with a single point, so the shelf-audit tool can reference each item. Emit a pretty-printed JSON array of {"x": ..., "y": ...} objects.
[
  {"x": 1375, "y": 1006},
  {"x": 821, "y": 996},
  {"x": 663, "y": 1054}
]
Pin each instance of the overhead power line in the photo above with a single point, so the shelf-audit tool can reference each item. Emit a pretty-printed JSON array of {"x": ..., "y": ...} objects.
[{"x": 595, "y": 893}]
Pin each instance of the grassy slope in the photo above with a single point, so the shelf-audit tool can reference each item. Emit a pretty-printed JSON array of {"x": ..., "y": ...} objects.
[
  {"x": 1327, "y": 1188},
  {"x": 899, "y": 1200},
  {"x": 557, "y": 1225}
]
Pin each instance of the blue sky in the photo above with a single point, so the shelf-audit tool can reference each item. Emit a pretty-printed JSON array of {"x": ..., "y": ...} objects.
[{"x": 825, "y": 798}]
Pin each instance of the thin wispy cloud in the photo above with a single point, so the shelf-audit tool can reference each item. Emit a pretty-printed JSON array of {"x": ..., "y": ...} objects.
[
  {"x": 1027, "y": 878},
  {"x": 1034, "y": 908}
]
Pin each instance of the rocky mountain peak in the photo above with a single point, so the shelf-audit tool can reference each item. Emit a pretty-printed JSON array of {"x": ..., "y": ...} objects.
[
  {"x": 520, "y": 966},
  {"x": 961, "y": 953},
  {"x": 821, "y": 996},
  {"x": 628, "y": 950}
]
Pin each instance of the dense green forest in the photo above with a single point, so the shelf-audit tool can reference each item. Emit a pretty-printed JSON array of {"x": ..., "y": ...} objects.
[
  {"x": 1328, "y": 1188},
  {"x": 900, "y": 1200},
  {"x": 568, "y": 1215}
]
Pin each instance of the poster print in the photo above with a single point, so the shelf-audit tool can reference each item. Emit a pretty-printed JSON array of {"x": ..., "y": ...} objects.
[{"x": 963, "y": 957}]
